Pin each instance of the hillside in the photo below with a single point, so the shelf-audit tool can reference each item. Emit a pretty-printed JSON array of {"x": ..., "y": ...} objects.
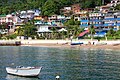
[{"x": 48, "y": 7}]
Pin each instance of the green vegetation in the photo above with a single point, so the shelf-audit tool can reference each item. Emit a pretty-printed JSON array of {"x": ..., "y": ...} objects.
[
  {"x": 28, "y": 30},
  {"x": 73, "y": 28},
  {"x": 92, "y": 31},
  {"x": 48, "y": 7},
  {"x": 111, "y": 34},
  {"x": 3, "y": 26},
  {"x": 12, "y": 36},
  {"x": 117, "y": 7}
]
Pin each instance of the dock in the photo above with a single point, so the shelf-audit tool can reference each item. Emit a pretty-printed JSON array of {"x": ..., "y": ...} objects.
[{"x": 9, "y": 43}]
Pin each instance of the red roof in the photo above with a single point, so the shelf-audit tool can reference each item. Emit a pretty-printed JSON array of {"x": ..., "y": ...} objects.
[{"x": 83, "y": 33}]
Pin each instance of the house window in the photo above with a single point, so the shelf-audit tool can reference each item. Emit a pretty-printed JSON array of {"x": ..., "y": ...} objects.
[
  {"x": 93, "y": 22},
  {"x": 90, "y": 22}
]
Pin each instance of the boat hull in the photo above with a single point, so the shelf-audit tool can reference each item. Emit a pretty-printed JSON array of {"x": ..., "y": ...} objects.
[
  {"x": 76, "y": 43},
  {"x": 24, "y": 72}
]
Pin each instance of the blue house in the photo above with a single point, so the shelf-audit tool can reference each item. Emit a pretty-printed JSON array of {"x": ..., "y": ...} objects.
[
  {"x": 101, "y": 22},
  {"x": 84, "y": 22},
  {"x": 93, "y": 19},
  {"x": 109, "y": 21}
]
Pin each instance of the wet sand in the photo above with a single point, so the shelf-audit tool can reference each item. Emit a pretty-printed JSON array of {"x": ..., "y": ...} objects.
[{"x": 83, "y": 46}]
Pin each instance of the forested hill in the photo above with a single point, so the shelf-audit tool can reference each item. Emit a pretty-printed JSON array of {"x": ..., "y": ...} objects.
[{"x": 48, "y": 7}]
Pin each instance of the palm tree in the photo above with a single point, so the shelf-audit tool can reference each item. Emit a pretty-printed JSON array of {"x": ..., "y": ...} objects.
[
  {"x": 20, "y": 31},
  {"x": 76, "y": 31},
  {"x": 69, "y": 31},
  {"x": 54, "y": 31},
  {"x": 92, "y": 31},
  {"x": 63, "y": 34},
  {"x": 111, "y": 33}
]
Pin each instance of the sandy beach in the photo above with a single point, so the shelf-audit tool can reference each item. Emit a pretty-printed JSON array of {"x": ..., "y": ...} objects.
[
  {"x": 88, "y": 44},
  {"x": 77, "y": 46}
]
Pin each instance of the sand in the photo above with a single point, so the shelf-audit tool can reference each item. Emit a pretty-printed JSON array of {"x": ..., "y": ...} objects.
[
  {"x": 88, "y": 44},
  {"x": 113, "y": 45}
]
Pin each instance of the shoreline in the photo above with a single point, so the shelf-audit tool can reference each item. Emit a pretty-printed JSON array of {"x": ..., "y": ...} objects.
[
  {"x": 113, "y": 45},
  {"x": 77, "y": 46},
  {"x": 87, "y": 44}
]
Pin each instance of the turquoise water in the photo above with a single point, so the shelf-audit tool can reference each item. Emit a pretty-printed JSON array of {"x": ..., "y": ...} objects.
[{"x": 70, "y": 64}]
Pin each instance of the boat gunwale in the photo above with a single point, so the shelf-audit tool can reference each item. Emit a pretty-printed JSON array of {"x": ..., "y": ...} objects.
[{"x": 24, "y": 68}]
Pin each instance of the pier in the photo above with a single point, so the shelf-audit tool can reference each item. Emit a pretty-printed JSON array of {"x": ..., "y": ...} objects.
[{"x": 10, "y": 43}]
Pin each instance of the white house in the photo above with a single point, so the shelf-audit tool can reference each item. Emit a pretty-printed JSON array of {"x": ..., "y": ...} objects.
[{"x": 43, "y": 28}]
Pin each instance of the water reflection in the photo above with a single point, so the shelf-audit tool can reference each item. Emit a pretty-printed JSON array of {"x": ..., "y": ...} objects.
[{"x": 12, "y": 77}]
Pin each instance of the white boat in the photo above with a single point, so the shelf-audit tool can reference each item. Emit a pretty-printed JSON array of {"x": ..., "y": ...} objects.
[{"x": 24, "y": 71}]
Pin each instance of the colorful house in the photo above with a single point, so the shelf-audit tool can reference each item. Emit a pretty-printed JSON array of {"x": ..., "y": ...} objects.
[
  {"x": 102, "y": 22},
  {"x": 2, "y": 19},
  {"x": 96, "y": 20},
  {"x": 76, "y": 8}
]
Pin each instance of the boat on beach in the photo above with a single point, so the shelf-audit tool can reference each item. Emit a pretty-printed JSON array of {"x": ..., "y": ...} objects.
[
  {"x": 76, "y": 43},
  {"x": 24, "y": 71}
]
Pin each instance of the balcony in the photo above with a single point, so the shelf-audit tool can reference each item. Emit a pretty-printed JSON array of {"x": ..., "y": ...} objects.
[
  {"x": 109, "y": 24},
  {"x": 84, "y": 25},
  {"x": 109, "y": 19},
  {"x": 84, "y": 20}
]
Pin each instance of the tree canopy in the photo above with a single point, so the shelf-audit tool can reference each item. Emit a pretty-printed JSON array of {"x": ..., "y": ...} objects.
[{"x": 48, "y": 7}]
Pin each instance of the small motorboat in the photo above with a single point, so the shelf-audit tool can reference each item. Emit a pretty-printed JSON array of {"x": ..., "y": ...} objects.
[{"x": 24, "y": 71}]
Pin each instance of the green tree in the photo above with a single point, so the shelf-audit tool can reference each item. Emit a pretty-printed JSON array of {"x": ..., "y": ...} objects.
[
  {"x": 54, "y": 31},
  {"x": 92, "y": 31},
  {"x": 111, "y": 34},
  {"x": 3, "y": 26},
  {"x": 117, "y": 34},
  {"x": 89, "y": 4},
  {"x": 50, "y": 7},
  {"x": 30, "y": 30},
  {"x": 73, "y": 28},
  {"x": 20, "y": 31},
  {"x": 117, "y": 7},
  {"x": 76, "y": 30},
  {"x": 92, "y": 3},
  {"x": 70, "y": 22}
]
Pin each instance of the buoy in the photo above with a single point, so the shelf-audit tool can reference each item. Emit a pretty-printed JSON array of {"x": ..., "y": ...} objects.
[{"x": 57, "y": 77}]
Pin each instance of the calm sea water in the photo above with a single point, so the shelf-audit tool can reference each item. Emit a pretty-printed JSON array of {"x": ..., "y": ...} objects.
[{"x": 70, "y": 64}]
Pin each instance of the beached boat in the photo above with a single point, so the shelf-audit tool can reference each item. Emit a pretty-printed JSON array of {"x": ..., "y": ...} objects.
[
  {"x": 24, "y": 71},
  {"x": 76, "y": 43}
]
